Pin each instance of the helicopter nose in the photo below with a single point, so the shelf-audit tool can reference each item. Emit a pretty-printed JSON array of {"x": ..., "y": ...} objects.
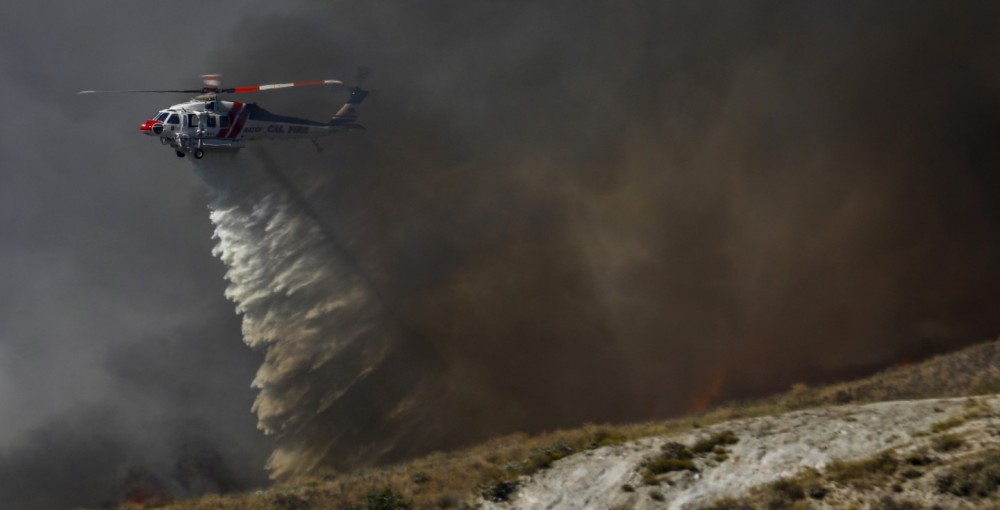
[{"x": 147, "y": 127}]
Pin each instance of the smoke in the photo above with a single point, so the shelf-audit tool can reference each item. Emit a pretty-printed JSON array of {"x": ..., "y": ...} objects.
[{"x": 573, "y": 212}]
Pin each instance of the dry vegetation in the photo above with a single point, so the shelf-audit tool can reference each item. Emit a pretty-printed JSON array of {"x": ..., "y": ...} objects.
[
  {"x": 884, "y": 481},
  {"x": 491, "y": 470},
  {"x": 943, "y": 472}
]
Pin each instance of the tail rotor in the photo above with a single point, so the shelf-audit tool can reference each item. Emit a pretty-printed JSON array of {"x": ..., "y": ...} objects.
[{"x": 348, "y": 114}]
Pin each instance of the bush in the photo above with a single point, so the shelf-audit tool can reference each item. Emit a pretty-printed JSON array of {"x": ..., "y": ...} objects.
[
  {"x": 724, "y": 438},
  {"x": 386, "y": 499},
  {"x": 675, "y": 457},
  {"x": 673, "y": 450},
  {"x": 729, "y": 504},
  {"x": 843, "y": 397},
  {"x": 788, "y": 488},
  {"x": 604, "y": 437},
  {"x": 864, "y": 473},
  {"x": 289, "y": 502},
  {"x": 977, "y": 479},
  {"x": 947, "y": 443},
  {"x": 543, "y": 458},
  {"x": 816, "y": 491},
  {"x": 500, "y": 492},
  {"x": 783, "y": 494},
  {"x": 919, "y": 458},
  {"x": 887, "y": 503},
  {"x": 942, "y": 426},
  {"x": 660, "y": 465}
]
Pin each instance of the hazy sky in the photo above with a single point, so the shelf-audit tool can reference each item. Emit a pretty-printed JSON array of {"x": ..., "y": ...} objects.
[{"x": 582, "y": 212}]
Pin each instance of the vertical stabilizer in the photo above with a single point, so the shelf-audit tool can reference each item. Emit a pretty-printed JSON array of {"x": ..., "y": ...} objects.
[{"x": 349, "y": 112}]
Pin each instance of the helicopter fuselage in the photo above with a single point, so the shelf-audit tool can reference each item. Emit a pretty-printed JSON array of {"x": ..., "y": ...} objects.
[
  {"x": 206, "y": 122},
  {"x": 198, "y": 125}
]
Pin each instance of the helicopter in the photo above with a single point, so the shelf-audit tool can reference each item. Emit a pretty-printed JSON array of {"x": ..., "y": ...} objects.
[{"x": 207, "y": 122}]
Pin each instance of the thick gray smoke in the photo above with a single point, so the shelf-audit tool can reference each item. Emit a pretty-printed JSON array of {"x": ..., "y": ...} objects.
[{"x": 569, "y": 212}]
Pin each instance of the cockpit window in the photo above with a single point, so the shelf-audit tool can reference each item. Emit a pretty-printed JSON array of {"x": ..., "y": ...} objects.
[
  {"x": 161, "y": 117},
  {"x": 174, "y": 119}
]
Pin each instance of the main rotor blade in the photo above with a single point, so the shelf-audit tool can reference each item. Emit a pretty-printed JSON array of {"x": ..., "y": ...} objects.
[
  {"x": 273, "y": 86},
  {"x": 191, "y": 91},
  {"x": 213, "y": 90}
]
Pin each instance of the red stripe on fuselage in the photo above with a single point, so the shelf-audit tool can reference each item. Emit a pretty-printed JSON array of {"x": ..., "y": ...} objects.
[
  {"x": 233, "y": 112},
  {"x": 239, "y": 123}
]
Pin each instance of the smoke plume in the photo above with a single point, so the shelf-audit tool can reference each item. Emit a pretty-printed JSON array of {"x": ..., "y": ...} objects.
[{"x": 570, "y": 212}]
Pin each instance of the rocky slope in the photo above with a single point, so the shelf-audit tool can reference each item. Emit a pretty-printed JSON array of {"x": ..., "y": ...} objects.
[{"x": 903, "y": 454}]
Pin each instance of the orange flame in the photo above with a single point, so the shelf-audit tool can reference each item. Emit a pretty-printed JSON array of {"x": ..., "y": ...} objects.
[{"x": 701, "y": 401}]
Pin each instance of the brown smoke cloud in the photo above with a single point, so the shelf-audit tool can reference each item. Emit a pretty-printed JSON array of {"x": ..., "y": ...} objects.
[{"x": 579, "y": 212}]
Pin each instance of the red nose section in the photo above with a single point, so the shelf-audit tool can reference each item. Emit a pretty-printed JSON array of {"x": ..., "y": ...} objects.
[{"x": 147, "y": 127}]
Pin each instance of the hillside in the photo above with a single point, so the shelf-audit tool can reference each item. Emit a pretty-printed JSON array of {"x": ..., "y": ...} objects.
[
  {"x": 906, "y": 454},
  {"x": 923, "y": 445}
]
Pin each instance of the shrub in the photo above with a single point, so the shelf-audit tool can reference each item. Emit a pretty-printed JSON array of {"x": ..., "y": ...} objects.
[
  {"x": 649, "y": 478},
  {"x": 289, "y": 502},
  {"x": 673, "y": 450},
  {"x": 500, "y": 492},
  {"x": 729, "y": 504},
  {"x": 942, "y": 426},
  {"x": 675, "y": 457},
  {"x": 816, "y": 491},
  {"x": 605, "y": 437},
  {"x": 976, "y": 479},
  {"x": 787, "y": 488},
  {"x": 782, "y": 494},
  {"x": 543, "y": 458},
  {"x": 709, "y": 444},
  {"x": 864, "y": 473},
  {"x": 947, "y": 443},
  {"x": 661, "y": 465},
  {"x": 888, "y": 503},
  {"x": 386, "y": 499},
  {"x": 919, "y": 458}
]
